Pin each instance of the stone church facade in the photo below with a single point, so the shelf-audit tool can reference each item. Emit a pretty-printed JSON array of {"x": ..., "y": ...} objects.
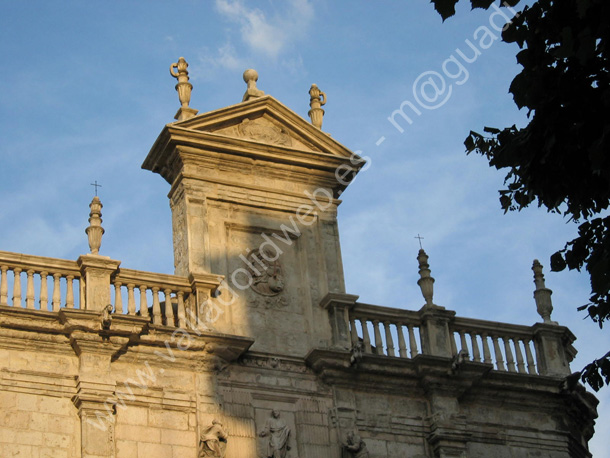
[{"x": 253, "y": 348}]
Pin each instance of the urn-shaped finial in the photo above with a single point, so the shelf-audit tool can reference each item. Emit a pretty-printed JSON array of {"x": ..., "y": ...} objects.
[
  {"x": 425, "y": 282},
  {"x": 250, "y": 78},
  {"x": 317, "y": 99},
  {"x": 179, "y": 71},
  {"x": 95, "y": 230},
  {"x": 542, "y": 295}
]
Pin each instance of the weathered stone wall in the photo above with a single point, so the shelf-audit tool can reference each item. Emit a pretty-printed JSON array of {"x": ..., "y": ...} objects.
[
  {"x": 37, "y": 416},
  {"x": 161, "y": 399}
]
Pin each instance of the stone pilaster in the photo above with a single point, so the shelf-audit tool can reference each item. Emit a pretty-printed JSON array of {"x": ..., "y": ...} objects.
[
  {"x": 95, "y": 396},
  {"x": 96, "y": 404}
]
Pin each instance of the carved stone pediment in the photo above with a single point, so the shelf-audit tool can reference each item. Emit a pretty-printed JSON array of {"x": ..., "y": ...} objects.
[{"x": 261, "y": 130}]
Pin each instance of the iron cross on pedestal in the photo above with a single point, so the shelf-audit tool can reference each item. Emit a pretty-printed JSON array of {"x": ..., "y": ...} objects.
[{"x": 420, "y": 239}]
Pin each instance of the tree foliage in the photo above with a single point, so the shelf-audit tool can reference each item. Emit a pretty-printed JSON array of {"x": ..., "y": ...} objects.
[{"x": 561, "y": 159}]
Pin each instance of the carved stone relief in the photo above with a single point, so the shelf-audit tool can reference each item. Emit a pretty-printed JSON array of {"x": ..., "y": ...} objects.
[
  {"x": 354, "y": 446},
  {"x": 266, "y": 272},
  {"x": 180, "y": 243},
  {"x": 213, "y": 441},
  {"x": 277, "y": 435},
  {"x": 264, "y": 132}
]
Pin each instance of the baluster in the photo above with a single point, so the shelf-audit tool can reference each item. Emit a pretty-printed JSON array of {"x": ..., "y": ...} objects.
[
  {"x": 17, "y": 287},
  {"x": 366, "y": 340},
  {"x": 476, "y": 354},
  {"x": 510, "y": 361},
  {"x": 519, "y": 355},
  {"x": 56, "y": 292},
  {"x": 3, "y": 286},
  {"x": 156, "y": 307},
  {"x": 463, "y": 342},
  {"x": 402, "y": 346},
  {"x": 353, "y": 331},
  {"x": 498, "y": 352},
  {"x": 378, "y": 342},
  {"x": 29, "y": 294},
  {"x": 44, "y": 291},
  {"x": 169, "y": 308},
  {"x": 143, "y": 304},
  {"x": 118, "y": 298},
  {"x": 412, "y": 341},
  {"x": 531, "y": 367},
  {"x": 388, "y": 339},
  {"x": 70, "y": 291},
  {"x": 486, "y": 352},
  {"x": 538, "y": 355},
  {"x": 181, "y": 320},
  {"x": 131, "y": 300}
]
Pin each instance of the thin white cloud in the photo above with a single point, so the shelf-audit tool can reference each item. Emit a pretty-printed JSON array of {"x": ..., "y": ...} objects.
[{"x": 264, "y": 34}]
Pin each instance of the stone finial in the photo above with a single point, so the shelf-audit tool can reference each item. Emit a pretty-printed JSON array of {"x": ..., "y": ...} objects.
[
  {"x": 95, "y": 230},
  {"x": 542, "y": 295},
  {"x": 179, "y": 71},
  {"x": 425, "y": 282},
  {"x": 317, "y": 99},
  {"x": 251, "y": 77}
]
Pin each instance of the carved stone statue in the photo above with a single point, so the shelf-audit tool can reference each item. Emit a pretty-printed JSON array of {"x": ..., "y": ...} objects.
[
  {"x": 278, "y": 433},
  {"x": 213, "y": 441},
  {"x": 354, "y": 446}
]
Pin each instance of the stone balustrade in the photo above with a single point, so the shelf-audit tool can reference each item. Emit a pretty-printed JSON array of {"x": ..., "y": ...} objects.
[
  {"x": 38, "y": 283},
  {"x": 508, "y": 347},
  {"x": 543, "y": 349},
  {"x": 148, "y": 287},
  {"x": 49, "y": 284},
  {"x": 385, "y": 331}
]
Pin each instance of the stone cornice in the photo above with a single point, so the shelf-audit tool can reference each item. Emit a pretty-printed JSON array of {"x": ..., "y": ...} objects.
[
  {"x": 272, "y": 107},
  {"x": 84, "y": 331},
  {"x": 427, "y": 372},
  {"x": 191, "y": 145}
]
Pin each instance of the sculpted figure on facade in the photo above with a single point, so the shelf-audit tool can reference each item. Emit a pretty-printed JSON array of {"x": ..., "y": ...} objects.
[
  {"x": 354, "y": 446},
  {"x": 278, "y": 433},
  {"x": 213, "y": 441}
]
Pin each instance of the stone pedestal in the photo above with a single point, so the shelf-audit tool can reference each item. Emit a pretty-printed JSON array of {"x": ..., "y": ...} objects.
[
  {"x": 554, "y": 349},
  {"x": 96, "y": 271},
  {"x": 435, "y": 335},
  {"x": 338, "y": 306}
]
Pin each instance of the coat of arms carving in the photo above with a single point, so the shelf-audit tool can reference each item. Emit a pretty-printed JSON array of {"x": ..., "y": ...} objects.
[
  {"x": 266, "y": 272},
  {"x": 264, "y": 132}
]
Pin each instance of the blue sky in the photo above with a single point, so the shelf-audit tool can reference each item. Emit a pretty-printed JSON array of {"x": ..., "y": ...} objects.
[{"x": 85, "y": 90}]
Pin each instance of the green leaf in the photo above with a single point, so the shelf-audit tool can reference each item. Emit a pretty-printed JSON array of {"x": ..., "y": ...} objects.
[
  {"x": 481, "y": 3},
  {"x": 469, "y": 144},
  {"x": 491, "y": 130},
  {"x": 557, "y": 262},
  {"x": 446, "y": 8}
]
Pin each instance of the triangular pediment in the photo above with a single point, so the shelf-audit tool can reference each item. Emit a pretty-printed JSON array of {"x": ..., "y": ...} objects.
[{"x": 265, "y": 120}]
